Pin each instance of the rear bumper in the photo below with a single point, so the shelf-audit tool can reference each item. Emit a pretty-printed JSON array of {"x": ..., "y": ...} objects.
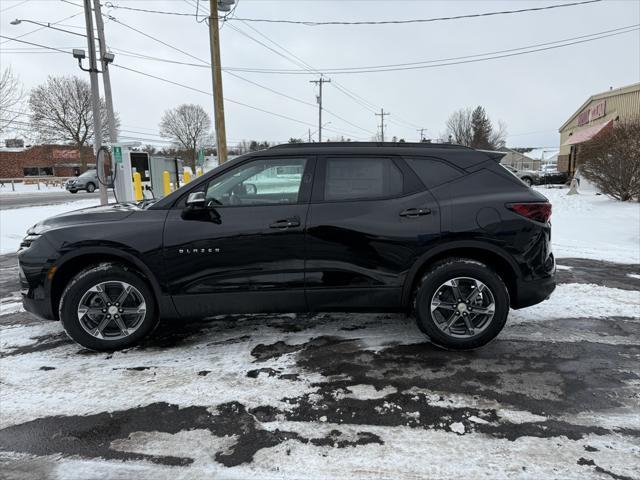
[{"x": 533, "y": 292}]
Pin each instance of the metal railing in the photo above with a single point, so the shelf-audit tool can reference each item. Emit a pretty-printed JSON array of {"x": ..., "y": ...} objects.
[{"x": 39, "y": 181}]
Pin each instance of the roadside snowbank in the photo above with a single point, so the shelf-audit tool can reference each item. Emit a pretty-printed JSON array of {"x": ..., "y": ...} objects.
[{"x": 15, "y": 222}]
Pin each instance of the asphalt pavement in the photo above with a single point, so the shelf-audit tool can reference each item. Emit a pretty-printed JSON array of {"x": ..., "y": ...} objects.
[{"x": 330, "y": 396}]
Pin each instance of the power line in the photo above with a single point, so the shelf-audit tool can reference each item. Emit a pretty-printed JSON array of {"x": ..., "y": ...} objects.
[
  {"x": 297, "y": 61},
  {"x": 310, "y": 23},
  {"x": 471, "y": 58},
  {"x": 35, "y": 44},
  {"x": 226, "y": 99}
]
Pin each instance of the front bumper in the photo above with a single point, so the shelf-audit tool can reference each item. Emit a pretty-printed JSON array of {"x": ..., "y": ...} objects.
[{"x": 34, "y": 299}]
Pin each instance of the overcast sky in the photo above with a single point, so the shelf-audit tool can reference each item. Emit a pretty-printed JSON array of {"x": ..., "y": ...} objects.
[{"x": 533, "y": 94}]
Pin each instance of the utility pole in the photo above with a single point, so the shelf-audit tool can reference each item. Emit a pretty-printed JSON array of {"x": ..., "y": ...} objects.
[
  {"x": 421, "y": 130},
  {"x": 106, "y": 79},
  {"x": 216, "y": 75},
  {"x": 382, "y": 114},
  {"x": 95, "y": 91},
  {"x": 309, "y": 135},
  {"x": 319, "y": 82}
]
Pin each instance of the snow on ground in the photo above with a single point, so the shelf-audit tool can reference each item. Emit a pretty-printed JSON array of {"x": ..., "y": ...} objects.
[
  {"x": 30, "y": 188},
  {"x": 338, "y": 395},
  {"x": 15, "y": 222},
  {"x": 593, "y": 226}
]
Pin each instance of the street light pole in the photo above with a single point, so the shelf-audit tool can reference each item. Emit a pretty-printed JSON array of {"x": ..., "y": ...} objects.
[
  {"x": 95, "y": 92},
  {"x": 106, "y": 79},
  {"x": 216, "y": 76}
]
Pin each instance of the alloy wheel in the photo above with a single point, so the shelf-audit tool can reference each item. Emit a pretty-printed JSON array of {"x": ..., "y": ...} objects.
[
  {"x": 111, "y": 310},
  {"x": 462, "y": 307}
]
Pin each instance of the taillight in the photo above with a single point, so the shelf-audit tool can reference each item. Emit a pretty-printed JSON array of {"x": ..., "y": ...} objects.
[{"x": 540, "y": 212}]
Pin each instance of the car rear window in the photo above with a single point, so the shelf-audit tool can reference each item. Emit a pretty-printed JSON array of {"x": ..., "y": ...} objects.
[
  {"x": 432, "y": 171},
  {"x": 362, "y": 179}
]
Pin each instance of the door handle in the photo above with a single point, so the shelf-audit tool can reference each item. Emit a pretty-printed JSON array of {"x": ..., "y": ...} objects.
[
  {"x": 286, "y": 223},
  {"x": 415, "y": 212}
]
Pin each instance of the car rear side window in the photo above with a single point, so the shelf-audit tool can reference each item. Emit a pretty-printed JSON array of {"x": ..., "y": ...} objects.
[
  {"x": 432, "y": 171},
  {"x": 362, "y": 178}
]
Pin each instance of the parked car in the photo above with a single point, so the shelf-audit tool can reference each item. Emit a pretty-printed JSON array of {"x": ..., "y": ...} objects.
[
  {"x": 529, "y": 177},
  {"x": 87, "y": 181},
  {"x": 551, "y": 176},
  {"x": 439, "y": 231}
]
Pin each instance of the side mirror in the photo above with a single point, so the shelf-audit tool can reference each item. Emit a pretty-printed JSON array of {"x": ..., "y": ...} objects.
[
  {"x": 250, "y": 188},
  {"x": 196, "y": 199}
]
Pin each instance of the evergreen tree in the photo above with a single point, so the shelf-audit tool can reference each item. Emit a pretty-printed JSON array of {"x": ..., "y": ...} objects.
[{"x": 482, "y": 129}]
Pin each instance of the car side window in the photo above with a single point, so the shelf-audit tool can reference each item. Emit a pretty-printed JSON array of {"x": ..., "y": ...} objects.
[
  {"x": 432, "y": 171},
  {"x": 258, "y": 182},
  {"x": 361, "y": 178}
]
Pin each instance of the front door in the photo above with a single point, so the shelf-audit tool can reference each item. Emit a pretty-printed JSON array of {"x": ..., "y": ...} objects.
[{"x": 243, "y": 251}]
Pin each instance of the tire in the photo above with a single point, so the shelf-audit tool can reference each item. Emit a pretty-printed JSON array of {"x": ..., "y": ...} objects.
[
  {"x": 91, "y": 187},
  {"x": 527, "y": 181},
  {"x": 95, "y": 291},
  {"x": 73, "y": 191},
  {"x": 464, "y": 273}
]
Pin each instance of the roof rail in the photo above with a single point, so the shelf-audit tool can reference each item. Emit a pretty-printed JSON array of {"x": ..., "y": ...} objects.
[{"x": 369, "y": 144}]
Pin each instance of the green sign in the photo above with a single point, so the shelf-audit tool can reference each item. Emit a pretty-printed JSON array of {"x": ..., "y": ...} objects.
[
  {"x": 201, "y": 157},
  {"x": 117, "y": 154}
]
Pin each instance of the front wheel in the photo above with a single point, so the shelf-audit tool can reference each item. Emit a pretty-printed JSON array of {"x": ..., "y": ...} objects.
[
  {"x": 108, "y": 307},
  {"x": 527, "y": 181},
  {"x": 461, "y": 304}
]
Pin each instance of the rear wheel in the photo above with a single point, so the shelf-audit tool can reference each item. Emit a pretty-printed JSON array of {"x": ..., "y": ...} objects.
[
  {"x": 461, "y": 304},
  {"x": 91, "y": 187},
  {"x": 108, "y": 307}
]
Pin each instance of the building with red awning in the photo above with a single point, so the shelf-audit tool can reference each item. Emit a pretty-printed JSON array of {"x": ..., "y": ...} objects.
[{"x": 599, "y": 113}]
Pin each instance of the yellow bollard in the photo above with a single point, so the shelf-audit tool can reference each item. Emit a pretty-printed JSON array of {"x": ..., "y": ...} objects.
[
  {"x": 166, "y": 181},
  {"x": 198, "y": 171},
  {"x": 186, "y": 176},
  {"x": 137, "y": 186}
]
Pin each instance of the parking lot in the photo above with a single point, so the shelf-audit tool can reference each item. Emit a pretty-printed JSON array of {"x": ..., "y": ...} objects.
[{"x": 557, "y": 395}]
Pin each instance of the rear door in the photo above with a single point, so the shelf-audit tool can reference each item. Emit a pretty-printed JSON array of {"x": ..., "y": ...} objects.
[
  {"x": 370, "y": 217},
  {"x": 243, "y": 252}
]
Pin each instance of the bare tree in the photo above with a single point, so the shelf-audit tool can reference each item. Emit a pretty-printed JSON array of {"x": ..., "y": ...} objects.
[
  {"x": 611, "y": 160},
  {"x": 459, "y": 127},
  {"x": 473, "y": 128},
  {"x": 61, "y": 112},
  {"x": 11, "y": 99},
  {"x": 188, "y": 126},
  {"x": 498, "y": 137}
]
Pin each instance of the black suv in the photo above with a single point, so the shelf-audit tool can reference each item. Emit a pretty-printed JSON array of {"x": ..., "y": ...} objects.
[{"x": 442, "y": 231}]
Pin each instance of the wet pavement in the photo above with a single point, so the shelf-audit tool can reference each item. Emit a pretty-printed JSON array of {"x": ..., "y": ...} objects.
[{"x": 331, "y": 396}]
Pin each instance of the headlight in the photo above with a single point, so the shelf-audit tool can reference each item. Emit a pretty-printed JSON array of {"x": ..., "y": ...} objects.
[{"x": 28, "y": 240}]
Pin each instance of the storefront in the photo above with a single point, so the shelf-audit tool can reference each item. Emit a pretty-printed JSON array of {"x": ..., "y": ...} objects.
[
  {"x": 599, "y": 113},
  {"x": 43, "y": 161}
]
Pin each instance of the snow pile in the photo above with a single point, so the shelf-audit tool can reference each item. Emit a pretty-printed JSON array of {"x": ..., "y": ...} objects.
[
  {"x": 15, "y": 222},
  {"x": 593, "y": 226}
]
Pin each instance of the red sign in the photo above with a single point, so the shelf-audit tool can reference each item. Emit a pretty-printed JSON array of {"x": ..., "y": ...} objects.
[
  {"x": 66, "y": 154},
  {"x": 596, "y": 111}
]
